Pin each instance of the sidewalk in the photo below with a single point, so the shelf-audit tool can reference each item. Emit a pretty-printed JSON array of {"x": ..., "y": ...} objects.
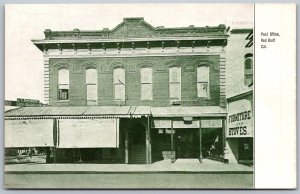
[{"x": 165, "y": 166}]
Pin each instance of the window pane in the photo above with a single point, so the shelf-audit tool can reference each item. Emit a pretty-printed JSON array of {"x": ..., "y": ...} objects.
[
  {"x": 248, "y": 79},
  {"x": 91, "y": 92},
  {"x": 63, "y": 94},
  {"x": 91, "y": 76},
  {"x": 203, "y": 74},
  {"x": 248, "y": 63},
  {"x": 146, "y": 92},
  {"x": 119, "y": 92},
  {"x": 119, "y": 75},
  {"x": 202, "y": 89},
  {"x": 63, "y": 76},
  {"x": 175, "y": 90},
  {"x": 175, "y": 74},
  {"x": 146, "y": 75}
]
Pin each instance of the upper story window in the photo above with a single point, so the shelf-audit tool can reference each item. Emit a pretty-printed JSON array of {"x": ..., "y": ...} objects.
[
  {"x": 175, "y": 82},
  {"x": 203, "y": 81},
  {"x": 248, "y": 69},
  {"x": 146, "y": 83},
  {"x": 91, "y": 86},
  {"x": 63, "y": 84},
  {"x": 119, "y": 83}
]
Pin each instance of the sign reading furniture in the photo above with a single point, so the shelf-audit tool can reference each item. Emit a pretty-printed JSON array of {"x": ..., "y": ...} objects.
[{"x": 240, "y": 119}]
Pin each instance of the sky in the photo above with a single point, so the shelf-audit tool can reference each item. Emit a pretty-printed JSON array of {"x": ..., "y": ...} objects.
[{"x": 24, "y": 62}]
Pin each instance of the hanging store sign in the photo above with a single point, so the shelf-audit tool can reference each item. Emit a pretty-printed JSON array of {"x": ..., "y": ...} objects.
[
  {"x": 29, "y": 133},
  {"x": 88, "y": 133},
  {"x": 240, "y": 119}
]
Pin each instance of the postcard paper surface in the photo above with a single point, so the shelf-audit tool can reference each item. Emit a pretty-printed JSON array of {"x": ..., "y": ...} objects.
[{"x": 131, "y": 95}]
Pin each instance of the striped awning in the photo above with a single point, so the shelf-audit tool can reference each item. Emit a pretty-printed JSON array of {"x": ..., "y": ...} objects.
[{"x": 78, "y": 112}]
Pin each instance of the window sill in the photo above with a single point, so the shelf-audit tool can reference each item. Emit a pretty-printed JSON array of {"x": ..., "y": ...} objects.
[
  {"x": 206, "y": 98},
  {"x": 61, "y": 101},
  {"x": 150, "y": 100}
]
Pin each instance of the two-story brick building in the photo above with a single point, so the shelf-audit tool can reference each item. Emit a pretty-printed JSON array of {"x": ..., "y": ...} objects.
[{"x": 132, "y": 94}]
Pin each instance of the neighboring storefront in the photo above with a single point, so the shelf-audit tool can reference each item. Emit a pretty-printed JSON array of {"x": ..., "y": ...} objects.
[
  {"x": 81, "y": 134},
  {"x": 240, "y": 128}
]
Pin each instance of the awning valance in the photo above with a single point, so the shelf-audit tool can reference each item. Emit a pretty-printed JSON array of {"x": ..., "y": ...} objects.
[
  {"x": 180, "y": 123},
  {"x": 88, "y": 133},
  {"x": 78, "y": 112},
  {"x": 188, "y": 111},
  {"x": 29, "y": 133}
]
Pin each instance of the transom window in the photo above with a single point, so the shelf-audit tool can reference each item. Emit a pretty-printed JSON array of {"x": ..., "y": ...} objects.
[
  {"x": 146, "y": 83},
  {"x": 63, "y": 84},
  {"x": 203, "y": 81},
  {"x": 91, "y": 86},
  {"x": 175, "y": 82},
  {"x": 119, "y": 83}
]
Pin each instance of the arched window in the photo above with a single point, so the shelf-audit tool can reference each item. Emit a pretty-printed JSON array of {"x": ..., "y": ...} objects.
[
  {"x": 119, "y": 83},
  {"x": 248, "y": 69},
  {"x": 175, "y": 82},
  {"x": 63, "y": 84},
  {"x": 146, "y": 83},
  {"x": 203, "y": 81},
  {"x": 91, "y": 86}
]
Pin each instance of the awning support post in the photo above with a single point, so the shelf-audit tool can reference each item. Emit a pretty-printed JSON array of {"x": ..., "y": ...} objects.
[
  {"x": 148, "y": 142},
  {"x": 126, "y": 146},
  {"x": 200, "y": 142},
  {"x": 172, "y": 143},
  {"x": 55, "y": 137},
  {"x": 224, "y": 137}
]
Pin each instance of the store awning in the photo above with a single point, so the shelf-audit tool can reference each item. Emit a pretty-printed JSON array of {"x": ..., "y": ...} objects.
[
  {"x": 88, "y": 133},
  {"x": 29, "y": 133},
  {"x": 77, "y": 126},
  {"x": 78, "y": 112},
  {"x": 192, "y": 111}
]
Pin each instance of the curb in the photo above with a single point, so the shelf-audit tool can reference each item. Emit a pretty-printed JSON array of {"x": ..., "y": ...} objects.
[{"x": 129, "y": 172}]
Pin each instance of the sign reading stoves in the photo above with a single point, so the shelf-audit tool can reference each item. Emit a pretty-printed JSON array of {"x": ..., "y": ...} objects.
[{"x": 240, "y": 119}]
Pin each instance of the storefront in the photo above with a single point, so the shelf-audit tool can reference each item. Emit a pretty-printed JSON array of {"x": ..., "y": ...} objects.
[
  {"x": 188, "y": 132},
  {"x": 132, "y": 135},
  {"x": 239, "y": 133},
  {"x": 81, "y": 134}
]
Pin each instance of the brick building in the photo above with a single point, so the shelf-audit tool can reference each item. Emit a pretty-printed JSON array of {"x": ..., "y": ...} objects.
[{"x": 132, "y": 94}]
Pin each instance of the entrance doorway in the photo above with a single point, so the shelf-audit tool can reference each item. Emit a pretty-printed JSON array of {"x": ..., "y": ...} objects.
[
  {"x": 137, "y": 144},
  {"x": 187, "y": 143},
  {"x": 245, "y": 152}
]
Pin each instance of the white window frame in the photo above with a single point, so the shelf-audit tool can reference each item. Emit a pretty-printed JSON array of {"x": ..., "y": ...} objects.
[
  {"x": 171, "y": 82},
  {"x": 144, "y": 83},
  {"x": 63, "y": 85},
  {"x": 90, "y": 102},
  {"x": 200, "y": 81},
  {"x": 248, "y": 72},
  {"x": 119, "y": 83}
]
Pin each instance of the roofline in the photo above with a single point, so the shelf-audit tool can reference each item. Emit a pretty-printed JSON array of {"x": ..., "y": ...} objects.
[
  {"x": 231, "y": 98},
  {"x": 241, "y": 31},
  {"x": 47, "y": 41}
]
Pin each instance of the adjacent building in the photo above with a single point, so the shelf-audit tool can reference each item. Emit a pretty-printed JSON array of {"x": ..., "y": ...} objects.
[
  {"x": 239, "y": 94},
  {"x": 132, "y": 94}
]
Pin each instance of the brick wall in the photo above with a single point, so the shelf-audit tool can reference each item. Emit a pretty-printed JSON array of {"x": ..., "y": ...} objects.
[{"x": 160, "y": 65}]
